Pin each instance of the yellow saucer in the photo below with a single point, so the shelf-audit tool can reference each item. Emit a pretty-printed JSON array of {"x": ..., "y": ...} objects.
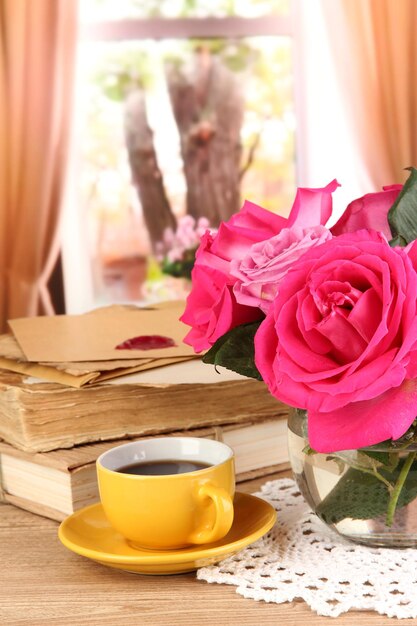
[{"x": 88, "y": 533}]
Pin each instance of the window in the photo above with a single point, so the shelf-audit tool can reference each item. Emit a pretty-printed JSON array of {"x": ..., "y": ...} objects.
[{"x": 184, "y": 106}]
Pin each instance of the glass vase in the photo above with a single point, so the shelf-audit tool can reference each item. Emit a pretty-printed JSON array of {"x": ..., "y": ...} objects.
[{"x": 368, "y": 495}]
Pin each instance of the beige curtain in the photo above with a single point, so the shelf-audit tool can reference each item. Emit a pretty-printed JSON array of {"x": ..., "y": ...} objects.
[
  {"x": 375, "y": 45},
  {"x": 37, "y": 56}
]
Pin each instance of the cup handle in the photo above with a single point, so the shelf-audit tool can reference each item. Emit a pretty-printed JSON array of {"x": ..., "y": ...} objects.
[{"x": 223, "y": 504}]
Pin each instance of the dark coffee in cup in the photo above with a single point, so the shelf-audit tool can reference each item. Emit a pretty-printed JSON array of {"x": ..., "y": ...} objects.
[{"x": 162, "y": 468}]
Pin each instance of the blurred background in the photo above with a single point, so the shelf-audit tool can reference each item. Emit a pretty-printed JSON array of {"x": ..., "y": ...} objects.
[{"x": 131, "y": 126}]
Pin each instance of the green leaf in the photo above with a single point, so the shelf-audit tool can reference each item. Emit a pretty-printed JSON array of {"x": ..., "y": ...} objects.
[
  {"x": 389, "y": 459},
  {"x": 398, "y": 241},
  {"x": 402, "y": 216},
  {"x": 361, "y": 495},
  {"x": 178, "y": 269},
  {"x": 357, "y": 459},
  {"x": 308, "y": 450},
  {"x": 235, "y": 350}
]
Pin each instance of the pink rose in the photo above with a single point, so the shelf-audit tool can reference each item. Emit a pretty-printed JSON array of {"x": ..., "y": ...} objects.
[
  {"x": 261, "y": 271},
  {"x": 340, "y": 340},
  {"x": 232, "y": 242},
  {"x": 370, "y": 211},
  {"x": 212, "y": 309},
  {"x": 312, "y": 207}
]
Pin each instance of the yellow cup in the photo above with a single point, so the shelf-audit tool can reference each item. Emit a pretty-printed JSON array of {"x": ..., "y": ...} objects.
[{"x": 169, "y": 511}]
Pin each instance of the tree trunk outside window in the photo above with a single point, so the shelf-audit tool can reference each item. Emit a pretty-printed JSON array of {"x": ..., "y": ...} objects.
[{"x": 208, "y": 107}]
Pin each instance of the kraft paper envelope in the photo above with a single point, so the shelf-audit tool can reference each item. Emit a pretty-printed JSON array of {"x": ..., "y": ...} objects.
[
  {"x": 94, "y": 337},
  {"x": 53, "y": 375},
  {"x": 48, "y": 374},
  {"x": 10, "y": 349},
  {"x": 74, "y": 374}
]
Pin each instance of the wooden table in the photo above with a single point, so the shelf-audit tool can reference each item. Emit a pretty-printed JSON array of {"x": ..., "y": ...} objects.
[{"x": 44, "y": 584}]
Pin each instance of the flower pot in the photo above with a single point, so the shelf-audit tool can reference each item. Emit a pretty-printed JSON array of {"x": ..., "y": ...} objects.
[{"x": 368, "y": 496}]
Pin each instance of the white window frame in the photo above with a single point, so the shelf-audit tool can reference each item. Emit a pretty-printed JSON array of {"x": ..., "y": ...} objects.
[{"x": 187, "y": 28}]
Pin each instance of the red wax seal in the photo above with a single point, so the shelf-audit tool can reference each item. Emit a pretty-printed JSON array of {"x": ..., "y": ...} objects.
[{"x": 147, "y": 342}]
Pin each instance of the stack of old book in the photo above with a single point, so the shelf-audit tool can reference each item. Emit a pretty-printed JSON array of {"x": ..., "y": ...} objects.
[{"x": 72, "y": 386}]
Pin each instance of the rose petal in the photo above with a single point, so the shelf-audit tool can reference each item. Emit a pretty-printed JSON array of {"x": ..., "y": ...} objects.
[
  {"x": 411, "y": 251},
  {"x": 204, "y": 255},
  {"x": 308, "y": 317},
  {"x": 211, "y": 308},
  {"x": 291, "y": 341},
  {"x": 363, "y": 316},
  {"x": 361, "y": 424},
  {"x": 370, "y": 211},
  {"x": 265, "y": 350},
  {"x": 255, "y": 218},
  {"x": 347, "y": 343},
  {"x": 312, "y": 206},
  {"x": 228, "y": 246},
  {"x": 367, "y": 382}
]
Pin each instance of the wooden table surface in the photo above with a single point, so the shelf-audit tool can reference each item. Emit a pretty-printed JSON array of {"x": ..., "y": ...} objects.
[{"x": 44, "y": 584}]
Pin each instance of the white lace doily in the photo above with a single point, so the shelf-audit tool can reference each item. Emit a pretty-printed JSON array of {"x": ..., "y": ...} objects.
[{"x": 301, "y": 558}]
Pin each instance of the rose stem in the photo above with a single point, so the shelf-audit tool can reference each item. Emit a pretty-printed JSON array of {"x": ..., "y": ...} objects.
[{"x": 392, "y": 504}]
